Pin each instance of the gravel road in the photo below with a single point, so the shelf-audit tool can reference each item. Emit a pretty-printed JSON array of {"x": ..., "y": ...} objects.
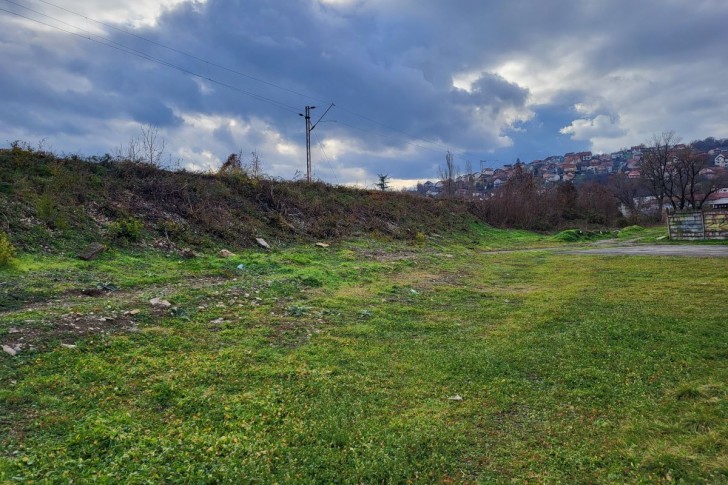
[{"x": 695, "y": 251}]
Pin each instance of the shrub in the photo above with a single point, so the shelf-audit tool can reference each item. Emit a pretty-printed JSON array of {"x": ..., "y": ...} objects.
[
  {"x": 49, "y": 213},
  {"x": 575, "y": 235},
  {"x": 129, "y": 229},
  {"x": 7, "y": 250}
]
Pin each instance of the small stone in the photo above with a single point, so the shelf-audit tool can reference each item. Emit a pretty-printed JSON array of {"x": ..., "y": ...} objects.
[
  {"x": 68, "y": 346},
  {"x": 224, "y": 253},
  {"x": 322, "y": 245},
  {"x": 134, "y": 312},
  {"x": 91, "y": 251},
  {"x": 187, "y": 253},
  {"x": 158, "y": 302},
  {"x": 262, "y": 243},
  {"x": 9, "y": 350}
]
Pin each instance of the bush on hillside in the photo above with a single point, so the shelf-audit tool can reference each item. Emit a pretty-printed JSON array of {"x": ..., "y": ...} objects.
[
  {"x": 7, "y": 250},
  {"x": 129, "y": 229},
  {"x": 576, "y": 235}
]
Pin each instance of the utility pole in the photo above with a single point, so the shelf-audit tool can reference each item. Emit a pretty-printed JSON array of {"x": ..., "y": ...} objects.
[
  {"x": 308, "y": 141},
  {"x": 309, "y": 129}
]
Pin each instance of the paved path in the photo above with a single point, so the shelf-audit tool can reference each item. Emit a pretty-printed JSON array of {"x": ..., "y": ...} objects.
[{"x": 695, "y": 251}]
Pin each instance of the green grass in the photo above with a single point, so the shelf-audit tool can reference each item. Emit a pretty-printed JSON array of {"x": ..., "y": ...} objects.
[{"x": 335, "y": 365}]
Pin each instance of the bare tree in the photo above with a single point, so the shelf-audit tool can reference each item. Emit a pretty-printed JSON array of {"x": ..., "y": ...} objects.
[
  {"x": 256, "y": 165},
  {"x": 152, "y": 144},
  {"x": 448, "y": 174},
  {"x": 676, "y": 173},
  {"x": 656, "y": 168},
  {"x": 626, "y": 190},
  {"x": 147, "y": 147}
]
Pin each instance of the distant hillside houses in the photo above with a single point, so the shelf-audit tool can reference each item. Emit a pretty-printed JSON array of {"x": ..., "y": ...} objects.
[{"x": 569, "y": 167}]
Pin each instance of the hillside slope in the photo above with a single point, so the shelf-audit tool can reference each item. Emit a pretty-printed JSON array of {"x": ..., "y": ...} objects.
[{"x": 48, "y": 202}]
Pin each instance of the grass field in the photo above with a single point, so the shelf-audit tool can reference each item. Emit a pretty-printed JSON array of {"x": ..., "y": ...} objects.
[{"x": 344, "y": 365}]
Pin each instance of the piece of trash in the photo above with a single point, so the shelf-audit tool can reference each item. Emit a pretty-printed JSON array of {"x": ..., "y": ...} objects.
[
  {"x": 262, "y": 242},
  {"x": 9, "y": 350},
  {"x": 241, "y": 266},
  {"x": 68, "y": 346},
  {"x": 322, "y": 245},
  {"x": 456, "y": 397},
  {"x": 134, "y": 312},
  {"x": 414, "y": 292}
]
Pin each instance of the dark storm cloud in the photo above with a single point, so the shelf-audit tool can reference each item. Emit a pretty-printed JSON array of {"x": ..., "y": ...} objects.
[{"x": 582, "y": 73}]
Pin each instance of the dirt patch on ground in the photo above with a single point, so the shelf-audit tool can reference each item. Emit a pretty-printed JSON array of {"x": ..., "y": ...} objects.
[
  {"x": 77, "y": 296},
  {"x": 66, "y": 329}
]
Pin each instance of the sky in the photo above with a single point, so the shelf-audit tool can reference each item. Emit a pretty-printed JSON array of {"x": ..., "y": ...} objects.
[{"x": 489, "y": 80}]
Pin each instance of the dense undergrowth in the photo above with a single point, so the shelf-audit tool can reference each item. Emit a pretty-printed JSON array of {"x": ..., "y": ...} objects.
[{"x": 61, "y": 202}]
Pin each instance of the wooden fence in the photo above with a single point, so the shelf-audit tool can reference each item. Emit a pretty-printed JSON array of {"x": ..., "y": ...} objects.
[{"x": 698, "y": 225}]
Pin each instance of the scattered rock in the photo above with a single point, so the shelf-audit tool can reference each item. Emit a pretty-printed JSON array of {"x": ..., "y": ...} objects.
[
  {"x": 322, "y": 245},
  {"x": 93, "y": 250},
  {"x": 456, "y": 397},
  {"x": 9, "y": 350},
  {"x": 134, "y": 312},
  {"x": 68, "y": 346},
  {"x": 218, "y": 321},
  {"x": 187, "y": 253},
  {"x": 262, "y": 243},
  {"x": 158, "y": 302},
  {"x": 224, "y": 253}
]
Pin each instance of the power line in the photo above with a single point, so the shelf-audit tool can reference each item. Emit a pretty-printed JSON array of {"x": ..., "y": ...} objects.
[
  {"x": 128, "y": 50},
  {"x": 179, "y": 51},
  {"x": 326, "y": 158},
  {"x": 239, "y": 73},
  {"x": 131, "y": 51}
]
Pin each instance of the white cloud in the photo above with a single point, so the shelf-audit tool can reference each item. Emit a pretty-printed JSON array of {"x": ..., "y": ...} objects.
[
  {"x": 600, "y": 126},
  {"x": 132, "y": 13},
  {"x": 441, "y": 72}
]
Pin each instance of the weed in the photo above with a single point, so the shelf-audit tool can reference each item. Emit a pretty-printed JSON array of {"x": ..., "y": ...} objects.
[
  {"x": 297, "y": 310},
  {"x": 7, "y": 250},
  {"x": 129, "y": 229}
]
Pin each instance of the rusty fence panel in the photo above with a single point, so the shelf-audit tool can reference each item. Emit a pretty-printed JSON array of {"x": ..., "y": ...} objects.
[{"x": 698, "y": 225}]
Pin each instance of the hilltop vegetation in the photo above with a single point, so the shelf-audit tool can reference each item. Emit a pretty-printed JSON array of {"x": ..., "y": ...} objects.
[{"x": 63, "y": 202}]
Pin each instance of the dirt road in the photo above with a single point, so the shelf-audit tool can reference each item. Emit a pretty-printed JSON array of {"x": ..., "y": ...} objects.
[{"x": 695, "y": 251}]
